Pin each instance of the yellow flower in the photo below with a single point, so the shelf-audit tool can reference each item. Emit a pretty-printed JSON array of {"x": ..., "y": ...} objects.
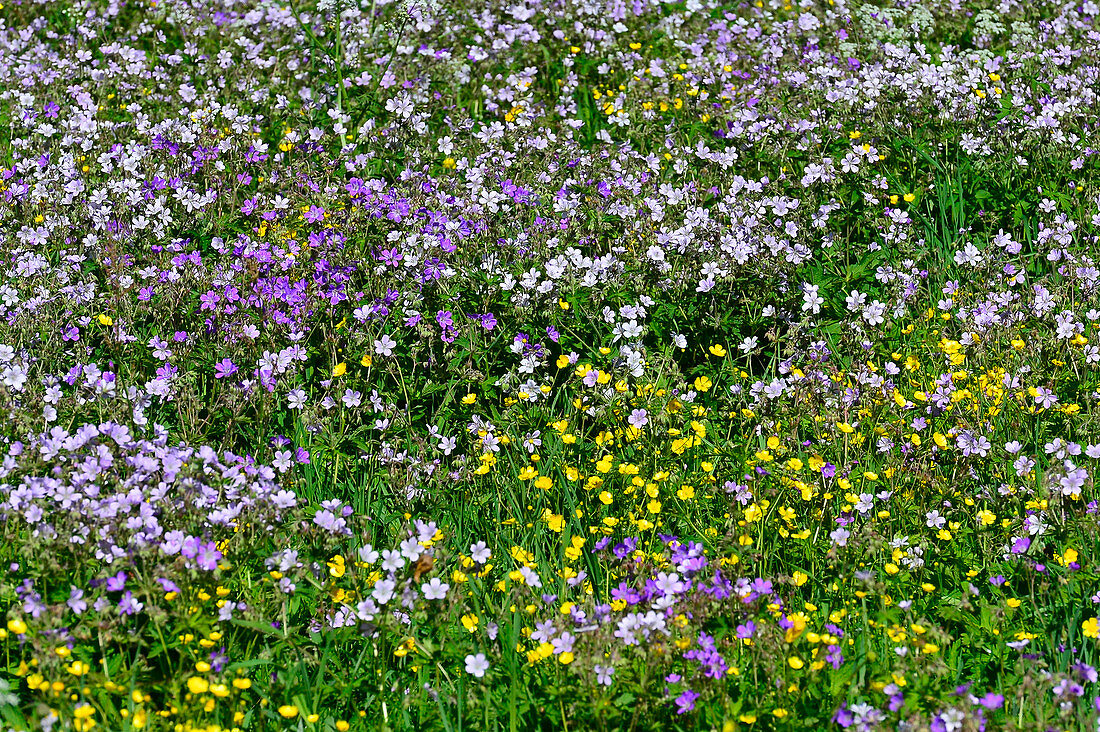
[
  {"x": 336, "y": 566},
  {"x": 566, "y": 658},
  {"x": 795, "y": 662},
  {"x": 555, "y": 521},
  {"x": 469, "y": 398},
  {"x": 1091, "y": 628},
  {"x": 340, "y": 370},
  {"x": 703, "y": 384},
  {"x": 717, "y": 350},
  {"x": 105, "y": 319},
  {"x": 242, "y": 683},
  {"x": 197, "y": 685},
  {"x": 17, "y": 626},
  {"x": 288, "y": 711}
]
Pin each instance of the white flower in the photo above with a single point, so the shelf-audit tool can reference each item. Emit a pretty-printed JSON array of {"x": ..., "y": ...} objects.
[
  {"x": 436, "y": 589},
  {"x": 969, "y": 255},
  {"x": 296, "y": 399},
  {"x": 480, "y": 552},
  {"x": 811, "y": 300},
  {"x": 352, "y": 398},
  {"x": 283, "y": 460},
  {"x": 477, "y": 665},
  {"x": 384, "y": 345}
]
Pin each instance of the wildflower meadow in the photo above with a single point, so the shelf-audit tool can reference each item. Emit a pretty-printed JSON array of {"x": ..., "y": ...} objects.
[{"x": 549, "y": 365}]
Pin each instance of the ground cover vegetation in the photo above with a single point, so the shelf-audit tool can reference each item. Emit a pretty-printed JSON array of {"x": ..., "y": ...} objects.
[{"x": 549, "y": 364}]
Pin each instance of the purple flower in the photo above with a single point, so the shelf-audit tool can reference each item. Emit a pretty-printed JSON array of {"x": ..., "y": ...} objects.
[
  {"x": 76, "y": 600},
  {"x": 224, "y": 369},
  {"x": 208, "y": 556},
  {"x": 992, "y": 701},
  {"x": 686, "y": 701},
  {"x": 191, "y": 546},
  {"x": 128, "y": 605},
  {"x": 116, "y": 583}
]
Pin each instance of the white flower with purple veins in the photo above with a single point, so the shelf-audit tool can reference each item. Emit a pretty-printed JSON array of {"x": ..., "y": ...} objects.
[
  {"x": 749, "y": 344},
  {"x": 1023, "y": 465},
  {"x": 669, "y": 583},
  {"x": 14, "y": 377},
  {"x": 811, "y": 300},
  {"x": 436, "y": 589},
  {"x": 411, "y": 549},
  {"x": 1034, "y": 525},
  {"x": 366, "y": 610},
  {"x": 285, "y": 499},
  {"x": 1046, "y": 398},
  {"x": 383, "y": 591},
  {"x": 401, "y": 105},
  {"x": 564, "y": 644},
  {"x": 530, "y": 577},
  {"x": 934, "y": 520},
  {"x": 447, "y": 444},
  {"x": 283, "y": 461},
  {"x": 368, "y": 554},
  {"x": 477, "y": 665},
  {"x": 392, "y": 560},
  {"x": 384, "y": 346},
  {"x": 874, "y": 313},
  {"x": 533, "y": 441},
  {"x": 604, "y": 674},
  {"x": 840, "y": 536},
  {"x": 855, "y": 300},
  {"x": 1073, "y": 480},
  {"x": 352, "y": 398},
  {"x": 490, "y": 443},
  {"x": 638, "y": 418},
  {"x": 480, "y": 552},
  {"x": 969, "y": 255},
  {"x": 296, "y": 399}
]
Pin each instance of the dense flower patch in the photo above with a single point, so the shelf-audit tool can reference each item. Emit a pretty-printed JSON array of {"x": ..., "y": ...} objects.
[{"x": 522, "y": 365}]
